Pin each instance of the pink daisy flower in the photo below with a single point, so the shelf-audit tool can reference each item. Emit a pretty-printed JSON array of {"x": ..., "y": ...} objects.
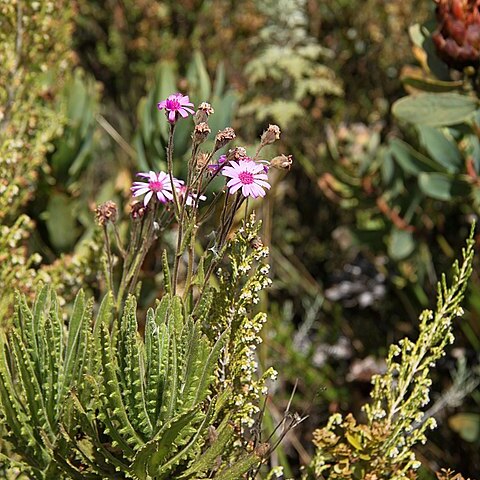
[
  {"x": 247, "y": 175},
  {"x": 176, "y": 104},
  {"x": 158, "y": 184}
]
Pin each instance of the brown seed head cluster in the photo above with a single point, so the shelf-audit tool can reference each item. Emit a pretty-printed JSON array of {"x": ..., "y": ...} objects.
[
  {"x": 201, "y": 132},
  {"x": 106, "y": 212},
  {"x": 237, "y": 153},
  {"x": 223, "y": 137},
  {"x": 457, "y": 37}
]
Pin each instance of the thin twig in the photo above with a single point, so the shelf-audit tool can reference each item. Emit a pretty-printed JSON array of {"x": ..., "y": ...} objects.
[{"x": 110, "y": 129}]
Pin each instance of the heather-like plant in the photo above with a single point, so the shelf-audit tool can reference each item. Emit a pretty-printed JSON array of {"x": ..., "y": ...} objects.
[
  {"x": 112, "y": 394},
  {"x": 36, "y": 63},
  {"x": 383, "y": 446}
]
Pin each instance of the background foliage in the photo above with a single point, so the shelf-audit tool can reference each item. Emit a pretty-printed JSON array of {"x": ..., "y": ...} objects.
[{"x": 377, "y": 205}]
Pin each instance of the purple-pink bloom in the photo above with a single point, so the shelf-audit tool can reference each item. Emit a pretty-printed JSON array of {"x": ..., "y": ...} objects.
[
  {"x": 176, "y": 104},
  {"x": 214, "y": 167},
  {"x": 158, "y": 184},
  {"x": 247, "y": 175}
]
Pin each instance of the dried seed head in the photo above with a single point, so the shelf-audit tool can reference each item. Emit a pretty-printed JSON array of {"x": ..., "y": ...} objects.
[
  {"x": 223, "y": 137},
  {"x": 106, "y": 212},
  {"x": 138, "y": 210},
  {"x": 202, "y": 159},
  {"x": 282, "y": 162},
  {"x": 203, "y": 112},
  {"x": 237, "y": 153},
  {"x": 270, "y": 135},
  {"x": 201, "y": 132}
]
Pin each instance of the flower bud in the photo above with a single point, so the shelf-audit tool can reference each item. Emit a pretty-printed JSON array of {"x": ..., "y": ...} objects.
[
  {"x": 223, "y": 137},
  {"x": 201, "y": 133},
  {"x": 270, "y": 135},
  {"x": 203, "y": 112},
  {"x": 138, "y": 210},
  {"x": 106, "y": 212},
  {"x": 282, "y": 162}
]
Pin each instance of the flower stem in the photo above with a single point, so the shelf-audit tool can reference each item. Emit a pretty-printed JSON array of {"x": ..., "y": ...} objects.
[{"x": 170, "y": 170}]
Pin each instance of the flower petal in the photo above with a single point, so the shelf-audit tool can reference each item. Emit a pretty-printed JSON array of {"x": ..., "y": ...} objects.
[
  {"x": 234, "y": 188},
  {"x": 147, "y": 198},
  {"x": 262, "y": 183},
  {"x": 233, "y": 182},
  {"x": 140, "y": 191}
]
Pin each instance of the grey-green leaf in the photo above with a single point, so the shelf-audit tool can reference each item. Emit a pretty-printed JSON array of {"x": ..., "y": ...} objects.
[{"x": 435, "y": 109}]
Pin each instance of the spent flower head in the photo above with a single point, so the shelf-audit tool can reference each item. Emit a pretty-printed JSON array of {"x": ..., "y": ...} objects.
[
  {"x": 237, "y": 153},
  {"x": 270, "y": 135},
  {"x": 176, "y": 104},
  {"x": 158, "y": 184},
  {"x": 223, "y": 137},
  {"x": 201, "y": 132},
  {"x": 248, "y": 176},
  {"x": 282, "y": 162},
  {"x": 106, "y": 212},
  {"x": 203, "y": 112}
]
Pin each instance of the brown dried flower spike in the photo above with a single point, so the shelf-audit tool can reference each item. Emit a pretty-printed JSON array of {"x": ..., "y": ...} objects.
[
  {"x": 201, "y": 132},
  {"x": 237, "y": 153},
  {"x": 106, "y": 212},
  {"x": 224, "y": 137}
]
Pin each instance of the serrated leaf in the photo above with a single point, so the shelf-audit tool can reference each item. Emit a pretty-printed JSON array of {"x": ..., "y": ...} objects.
[
  {"x": 239, "y": 468},
  {"x": 150, "y": 457},
  {"x": 207, "y": 459}
]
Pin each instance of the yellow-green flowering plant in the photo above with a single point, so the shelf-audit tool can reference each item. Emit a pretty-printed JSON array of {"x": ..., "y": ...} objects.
[{"x": 383, "y": 446}]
